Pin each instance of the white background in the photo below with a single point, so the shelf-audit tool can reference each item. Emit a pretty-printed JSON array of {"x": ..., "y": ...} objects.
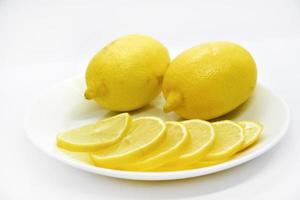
[{"x": 44, "y": 42}]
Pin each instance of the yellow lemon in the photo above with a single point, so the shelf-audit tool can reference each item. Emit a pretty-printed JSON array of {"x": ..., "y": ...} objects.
[
  {"x": 209, "y": 80},
  {"x": 144, "y": 134},
  {"x": 201, "y": 164},
  {"x": 80, "y": 156},
  {"x": 94, "y": 136},
  {"x": 229, "y": 140},
  {"x": 170, "y": 148},
  {"x": 194, "y": 165},
  {"x": 127, "y": 74},
  {"x": 252, "y": 132},
  {"x": 202, "y": 137}
]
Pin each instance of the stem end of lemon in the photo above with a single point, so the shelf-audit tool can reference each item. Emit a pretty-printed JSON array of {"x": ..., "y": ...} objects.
[
  {"x": 88, "y": 94},
  {"x": 173, "y": 100}
]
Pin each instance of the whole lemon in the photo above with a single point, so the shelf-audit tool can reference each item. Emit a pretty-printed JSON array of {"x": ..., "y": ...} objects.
[
  {"x": 127, "y": 73},
  {"x": 209, "y": 80}
]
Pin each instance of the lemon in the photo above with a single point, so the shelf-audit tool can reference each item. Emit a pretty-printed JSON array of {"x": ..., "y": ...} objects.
[
  {"x": 170, "y": 148},
  {"x": 91, "y": 137},
  {"x": 127, "y": 74},
  {"x": 80, "y": 156},
  {"x": 229, "y": 140},
  {"x": 194, "y": 165},
  {"x": 209, "y": 80},
  {"x": 144, "y": 134},
  {"x": 252, "y": 132},
  {"x": 202, "y": 137},
  {"x": 201, "y": 164}
]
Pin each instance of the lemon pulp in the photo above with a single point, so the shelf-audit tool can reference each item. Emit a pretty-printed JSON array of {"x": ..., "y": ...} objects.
[{"x": 97, "y": 135}]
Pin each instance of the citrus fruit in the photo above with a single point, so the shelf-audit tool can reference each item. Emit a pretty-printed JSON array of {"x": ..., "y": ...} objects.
[
  {"x": 252, "y": 132},
  {"x": 229, "y": 140},
  {"x": 208, "y": 163},
  {"x": 194, "y": 165},
  {"x": 93, "y": 136},
  {"x": 143, "y": 135},
  {"x": 80, "y": 156},
  {"x": 202, "y": 138},
  {"x": 127, "y": 73},
  {"x": 169, "y": 149},
  {"x": 209, "y": 80}
]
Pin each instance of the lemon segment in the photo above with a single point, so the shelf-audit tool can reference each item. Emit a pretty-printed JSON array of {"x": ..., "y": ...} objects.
[
  {"x": 94, "y": 136},
  {"x": 252, "y": 132},
  {"x": 144, "y": 134},
  {"x": 202, "y": 137},
  {"x": 170, "y": 148},
  {"x": 229, "y": 140}
]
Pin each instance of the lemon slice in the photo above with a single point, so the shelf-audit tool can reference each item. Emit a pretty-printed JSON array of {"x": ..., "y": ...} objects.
[
  {"x": 229, "y": 140},
  {"x": 252, "y": 132},
  {"x": 143, "y": 135},
  {"x": 94, "y": 136},
  {"x": 80, "y": 156},
  {"x": 171, "y": 147},
  {"x": 202, "y": 137},
  {"x": 194, "y": 165},
  {"x": 208, "y": 163}
]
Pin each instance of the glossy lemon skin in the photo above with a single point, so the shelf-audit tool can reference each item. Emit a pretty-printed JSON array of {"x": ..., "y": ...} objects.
[
  {"x": 209, "y": 80},
  {"x": 127, "y": 73}
]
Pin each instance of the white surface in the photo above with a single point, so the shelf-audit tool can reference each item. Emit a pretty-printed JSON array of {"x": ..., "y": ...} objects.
[
  {"x": 44, "y": 42},
  {"x": 64, "y": 107}
]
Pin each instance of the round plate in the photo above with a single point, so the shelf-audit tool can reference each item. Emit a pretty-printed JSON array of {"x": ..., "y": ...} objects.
[{"x": 64, "y": 107}]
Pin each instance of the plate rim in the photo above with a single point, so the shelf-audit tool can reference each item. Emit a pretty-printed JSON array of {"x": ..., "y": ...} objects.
[{"x": 155, "y": 176}]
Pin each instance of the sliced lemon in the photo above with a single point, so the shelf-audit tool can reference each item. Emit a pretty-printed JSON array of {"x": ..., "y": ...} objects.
[
  {"x": 171, "y": 147},
  {"x": 202, "y": 163},
  {"x": 91, "y": 137},
  {"x": 195, "y": 165},
  {"x": 144, "y": 134},
  {"x": 229, "y": 140},
  {"x": 80, "y": 156},
  {"x": 202, "y": 138},
  {"x": 252, "y": 132}
]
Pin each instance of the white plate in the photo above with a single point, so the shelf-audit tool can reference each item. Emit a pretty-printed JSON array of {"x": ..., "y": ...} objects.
[{"x": 64, "y": 107}]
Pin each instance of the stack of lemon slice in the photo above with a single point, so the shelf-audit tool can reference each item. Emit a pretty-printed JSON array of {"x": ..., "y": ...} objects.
[{"x": 150, "y": 144}]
